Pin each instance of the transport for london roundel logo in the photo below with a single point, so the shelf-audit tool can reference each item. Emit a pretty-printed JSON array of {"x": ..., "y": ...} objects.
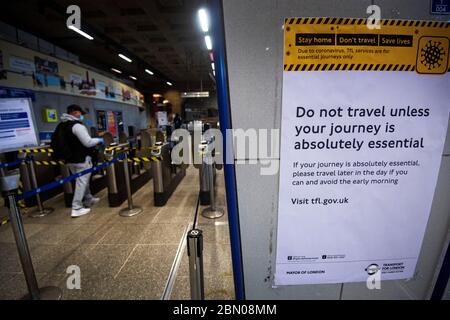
[
  {"x": 432, "y": 55},
  {"x": 372, "y": 269}
]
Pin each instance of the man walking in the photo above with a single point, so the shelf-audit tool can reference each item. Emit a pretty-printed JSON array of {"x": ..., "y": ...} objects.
[{"x": 72, "y": 143}]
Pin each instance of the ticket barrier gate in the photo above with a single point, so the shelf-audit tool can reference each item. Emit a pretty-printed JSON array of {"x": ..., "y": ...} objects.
[
  {"x": 98, "y": 180},
  {"x": 209, "y": 168},
  {"x": 204, "y": 170},
  {"x": 115, "y": 177},
  {"x": 37, "y": 173},
  {"x": 204, "y": 195},
  {"x": 166, "y": 176}
]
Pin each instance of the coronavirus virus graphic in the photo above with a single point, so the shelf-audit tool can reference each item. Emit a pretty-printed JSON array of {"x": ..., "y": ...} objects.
[{"x": 432, "y": 54}]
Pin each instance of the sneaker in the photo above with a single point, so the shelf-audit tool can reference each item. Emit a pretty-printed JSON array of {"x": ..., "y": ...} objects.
[
  {"x": 91, "y": 202},
  {"x": 80, "y": 212}
]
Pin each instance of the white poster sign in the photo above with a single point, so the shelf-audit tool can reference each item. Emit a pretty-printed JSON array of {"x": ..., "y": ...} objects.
[
  {"x": 22, "y": 65},
  {"x": 17, "y": 128},
  {"x": 360, "y": 156},
  {"x": 101, "y": 87},
  {"x": 76, "y": 78},
  {"x": 161, "y": 118}
]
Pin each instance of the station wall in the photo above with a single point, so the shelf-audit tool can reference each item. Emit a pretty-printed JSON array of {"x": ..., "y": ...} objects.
[
  {"x": 132, "y": 115},
  {"x": 57, "y": 83}
]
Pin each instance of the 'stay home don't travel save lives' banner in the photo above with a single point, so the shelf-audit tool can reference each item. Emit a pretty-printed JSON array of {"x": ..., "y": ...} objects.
[{"x": 364, "y": 120}]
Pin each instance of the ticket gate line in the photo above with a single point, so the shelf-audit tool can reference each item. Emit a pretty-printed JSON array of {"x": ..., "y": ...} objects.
[
  {"x": 132, "y": 210},
  {"x": 166, "y": 176},
  {"x": 31, "y": 177},
  {"x": 211, "y": 212},
  {"x": 9, "y": 187},
  {"x": 117, "y": 178},
  {"x": 41, "y": 211}
]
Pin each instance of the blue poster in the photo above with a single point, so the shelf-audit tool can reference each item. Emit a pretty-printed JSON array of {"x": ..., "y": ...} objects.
[{"x": 440, "y": 6}]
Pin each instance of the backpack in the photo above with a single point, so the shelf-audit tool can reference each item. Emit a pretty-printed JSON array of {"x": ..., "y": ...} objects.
[{"x": 59, "y": 142}]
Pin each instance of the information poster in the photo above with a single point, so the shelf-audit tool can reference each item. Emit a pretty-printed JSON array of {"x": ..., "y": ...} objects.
[
  {"x": 16, "y": 125},
  {"x": 364, "y": 120},
  {"x": 161, "y": 118},
  {"x": 112, "y": 127},
  {"x": 101, "y": 121}
]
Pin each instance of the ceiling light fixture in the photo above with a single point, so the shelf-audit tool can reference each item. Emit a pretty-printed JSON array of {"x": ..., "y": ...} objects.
[
  {"x": 124, "y": 57},
  {"x": 115, "y": 70},
  {"x": 84, "y": 34},
  {"x": 168, "y": 83},
  {"x": 149, "y": 72},
  {"x": 212, "y": 66},
  {"x": 134, "y": 78},
  {"x": 204, "y": 21},
  {"x": 208, "y": 42}
]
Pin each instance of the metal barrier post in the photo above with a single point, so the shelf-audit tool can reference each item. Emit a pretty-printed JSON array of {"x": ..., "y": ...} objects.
[
  {"x": 9, "y": 185},
  {"x": 158, "y": 183},
  {"x": 195, "y": 253},
  {"x": 41, "y": 212},
  {"x": 68, "y": 189},
  {"x": 131, "y": 210},
  {"x": 212, "y": 212}
]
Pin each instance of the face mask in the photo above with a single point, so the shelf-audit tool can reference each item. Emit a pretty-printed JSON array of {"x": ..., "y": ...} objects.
[{"x": 81, "y": 118}]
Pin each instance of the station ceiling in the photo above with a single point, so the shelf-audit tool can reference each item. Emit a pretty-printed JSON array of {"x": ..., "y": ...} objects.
[{"x": 161, "y": 35}]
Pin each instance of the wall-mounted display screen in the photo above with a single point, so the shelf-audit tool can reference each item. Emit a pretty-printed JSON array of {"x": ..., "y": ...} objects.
[{"x": 17, "y": 126}]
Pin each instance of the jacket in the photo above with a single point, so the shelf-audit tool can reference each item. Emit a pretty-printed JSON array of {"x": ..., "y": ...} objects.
[{"x": 78, "y": 139}]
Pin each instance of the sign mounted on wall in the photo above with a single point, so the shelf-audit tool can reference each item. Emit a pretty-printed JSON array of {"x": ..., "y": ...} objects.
[
  {"x": 440, "y": 6},
  {"x": 112, "y": 126},
  {"x": 161, "y": 119},
  {"x": 17, "y": 125},
  {"x": 364, "y": 119},
  {"x": 49, "y": 115}
]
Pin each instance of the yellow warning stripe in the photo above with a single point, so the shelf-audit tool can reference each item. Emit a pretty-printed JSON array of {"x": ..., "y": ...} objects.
[
  {"x": 204, "y": 152},
  {"x": 349, "y": 67},
  {"x": 21, "y": 203},
  {"x": 48, "y": 163},
  {"x": 144, "y": 159},
  {"x": 127, "y": 148},
  {"x": 49, "y": 150},
  {"x": 133, "y": 159},
  {"x": 119, "y": 148},
  {"x": 361, "y": 21}
]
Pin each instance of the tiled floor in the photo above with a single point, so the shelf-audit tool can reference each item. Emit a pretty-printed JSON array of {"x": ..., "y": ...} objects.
[{"x": 121, "y": 258}]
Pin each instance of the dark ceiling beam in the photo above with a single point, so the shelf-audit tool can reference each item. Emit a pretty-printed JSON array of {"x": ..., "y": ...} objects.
[
  {"x": 97, "y": 34},
  {"x": 160, "y": 20},
  {"x": 140, "y": 42},
  {"x": 193, "y": 62}
]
